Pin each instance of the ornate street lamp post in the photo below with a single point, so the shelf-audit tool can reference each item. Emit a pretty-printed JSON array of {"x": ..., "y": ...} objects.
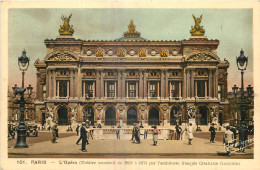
[
  {"x": 242, "y": 62},
  {"x": 23, "y": 63}
]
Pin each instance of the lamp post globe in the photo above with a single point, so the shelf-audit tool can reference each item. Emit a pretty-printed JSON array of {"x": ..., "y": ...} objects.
[
  {"x": 242, "y": 62},
  {"x": 23, "y": 63}
]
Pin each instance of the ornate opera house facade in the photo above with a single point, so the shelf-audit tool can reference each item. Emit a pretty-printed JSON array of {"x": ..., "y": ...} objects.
[{"x": 131, "y": 79}]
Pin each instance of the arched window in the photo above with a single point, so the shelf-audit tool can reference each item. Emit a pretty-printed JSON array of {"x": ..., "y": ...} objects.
[
  {"x": 203, "y": 111},
  {"x": 89, "y": 113},
  {"x": 131, "y": 116},
  {"x": 110, "y": 116},
  {"x": 153, "y": 116},
  {"x": 63, "y": 116},
  {"x": 176, "y": 115}
]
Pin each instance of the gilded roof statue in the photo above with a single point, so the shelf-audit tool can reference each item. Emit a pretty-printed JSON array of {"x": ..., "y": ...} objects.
[
  {"x": 197, "y": 30},
  {"x": 66, "y": 29},
  {"x": 131, "y": 31}
]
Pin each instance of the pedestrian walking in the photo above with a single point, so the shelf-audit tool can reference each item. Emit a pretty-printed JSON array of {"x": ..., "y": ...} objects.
[
  {"x": 228, "y": 140},
  {"x": 243, "y": 137},
  {"x": 117, "y": 134},
  {"x": 83, "y": 136},
  {"x": 182, "y": 134},
  {"x": 80, "y": 137},
  {"x": 190, "y": 133},
  {"x": 155, "y": 135},
  {"x": 137, "y": 134},
  {"x": 212, "y": 133},
  {"x": 177, "y": 128},
  {"x": 55, "y": 134},
  {"x": 77, "y": 130},
  {"x": 133, "y": 133},
  {"x": 234, "y": 130}
]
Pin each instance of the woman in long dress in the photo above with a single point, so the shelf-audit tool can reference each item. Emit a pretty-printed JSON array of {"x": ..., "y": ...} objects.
[
  {"x": 190, "y": 133},
  {"x": 155, "y": 135}
]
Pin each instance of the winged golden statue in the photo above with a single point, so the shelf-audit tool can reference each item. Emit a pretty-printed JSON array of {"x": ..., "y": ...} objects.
[
  {"x": 66, "y": 29},
  {"x": 197, "y": 30}
]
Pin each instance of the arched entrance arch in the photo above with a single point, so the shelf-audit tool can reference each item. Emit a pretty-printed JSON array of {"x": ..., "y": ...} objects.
[
  {"x": 175, "y": 115},
  {"x": 203, "y": 111},
  {"x": 153, "y": 116},
  {"x": 131, "y": 116},
  {"x": 89, "y": 110},
  {"x": 62, "y": 116},
  {"x": 110, "y": 116}
]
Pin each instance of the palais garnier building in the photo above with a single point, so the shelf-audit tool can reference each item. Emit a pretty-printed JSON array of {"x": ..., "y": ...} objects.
[{"x": 131, "y": 80}]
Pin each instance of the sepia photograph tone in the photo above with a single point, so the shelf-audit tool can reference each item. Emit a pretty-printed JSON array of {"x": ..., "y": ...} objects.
[{"x": 128, "y": 87}]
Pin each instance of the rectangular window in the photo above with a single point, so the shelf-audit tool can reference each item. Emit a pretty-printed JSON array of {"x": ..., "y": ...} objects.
[
  {"x": 153, "y": 89},
  {"x": 132, "y": 89},
  {"x": 111, "y": 89},
  {"x": 174, "y": 89},
  {"x": 89, "y": 89},
  {"x": 219, "y": 92},
  {"x": 201, "y": 85},
  {"x": 62, "y": 88}
]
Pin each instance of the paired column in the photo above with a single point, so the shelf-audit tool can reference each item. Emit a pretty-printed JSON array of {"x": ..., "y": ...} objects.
[
  {"x": 94, "y": 89},
  {"x": 123, "y": 84},
  {"x": 127, "y": 89},
  {"x": 84, "y": 89},
  {"x": 54, "y": 83},
  {"x": 145, "y": 85},
  {"x": 136, "y": 89},
  {"x": 216, "y": 83},
  {"x": 141, "y": 90},
  {"x": 158, "y": 87},
  {"x": 179, "y": 88},
  {"x": 192, "y": 82},
  {"x": 98, "y": 92},
  {"x": 162, "y": 85},
  {"x": 105, "y": 89},
  {"x": 68, "y": 88},
  {"x": 210, "y": 83},
  {"x": 188, "y": 83},
  {"x": 166, "y": 83},
  {"x": 119, "y": 80},
  {"x": 102, "y": 84}
]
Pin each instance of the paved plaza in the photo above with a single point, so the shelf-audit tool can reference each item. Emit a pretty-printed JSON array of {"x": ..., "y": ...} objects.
[{"x": 67, "y": 148}]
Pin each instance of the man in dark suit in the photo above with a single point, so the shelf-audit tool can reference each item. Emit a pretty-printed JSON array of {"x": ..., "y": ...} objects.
[
  {"x": 243, "y": 137},
  {"x": 212, "y": 133},
  {"x": 83, "y": 136}
]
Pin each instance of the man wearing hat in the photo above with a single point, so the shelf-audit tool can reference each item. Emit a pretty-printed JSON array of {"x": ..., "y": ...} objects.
[
  {"x": 243, "y": 136},
  {"x": 228, "y": 140},
  {"x": 212, "y": 133},
  {"x": 83, "y": 136}
]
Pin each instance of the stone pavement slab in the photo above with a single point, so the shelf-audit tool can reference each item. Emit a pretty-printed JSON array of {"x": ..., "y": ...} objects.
[{"x": 68, "y": 146}]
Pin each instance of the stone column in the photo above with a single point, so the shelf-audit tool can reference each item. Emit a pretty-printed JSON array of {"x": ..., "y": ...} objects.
[
  {"x": 136, "y": 88},
  {"x": 119, "y": 80},
  {"x": 179, "y": 88},
  {"x": 210, "y": 83},
  {"x": 166, "y": 84},
  {"x": 196, "y": 88},
  {"x": 206, "y": 89},
  {"x": 102, "y": 84},
  {"x": 158, "y": 87},
  {"x": 98, "y": 91},
  {"x": 145, "y": 84},
  {"x": 79, "y": 84},
  {"x": 115, "y": 89},
  {"x": 216, "y": 83},
  {"x": 84, "y": 89},
  {"x": 141, "y": 92},
  {"x": 49, "y": 84},
  {"x": 127, "y": 89},
  {"x": 148, "y": 95},
  {"x": 58, "y": 88},
  {"x": 71, "y": 83},
  {"x": 123, "y": 84},
  {"x": 192, "y": 82},
  {"x": 170, "y": 90},
  {"x": 184, "y": 84},
  {"x": 162, "y": 84},
  {"x": 68, "y": 88},
  {"x": 188, "y": 83},
  {"x": 106, "y": 89},
  {"x": 54, "y": 83},
  {"x": 94, "y": 89}
]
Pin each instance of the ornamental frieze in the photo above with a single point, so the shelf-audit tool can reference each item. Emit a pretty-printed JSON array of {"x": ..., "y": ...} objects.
[
  {"x": 201, "y": 57},
  {"x": 164, "y": 53},
  {"x": 99, "y": 52},
  {"x": 142, "y": 53},
  {"x": 62, "y": 57},
  {"x": 121, "y": 53}
]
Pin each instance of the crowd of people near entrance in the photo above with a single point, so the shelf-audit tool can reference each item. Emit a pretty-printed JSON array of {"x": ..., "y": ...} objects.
[{"x": 229, "y": 138}]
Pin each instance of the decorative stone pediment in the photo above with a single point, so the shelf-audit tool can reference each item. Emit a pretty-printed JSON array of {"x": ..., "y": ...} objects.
[
  {"x": 202, "y": 57},
  {"x": 61, "y": 56}
]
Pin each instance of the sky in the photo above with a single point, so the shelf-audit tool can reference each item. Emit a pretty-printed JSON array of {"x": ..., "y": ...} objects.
[{"x": 28, "y": 28}]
